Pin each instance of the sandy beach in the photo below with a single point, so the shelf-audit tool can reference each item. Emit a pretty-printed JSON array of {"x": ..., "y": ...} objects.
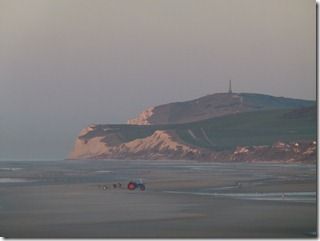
[{"x": 76, "y": 199}]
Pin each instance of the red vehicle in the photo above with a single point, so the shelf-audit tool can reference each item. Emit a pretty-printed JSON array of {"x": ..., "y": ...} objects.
[{"x": 134, "y": 185}]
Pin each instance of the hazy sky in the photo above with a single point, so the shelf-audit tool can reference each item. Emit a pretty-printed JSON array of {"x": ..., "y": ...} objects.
[{"x": 67, "y": 63}]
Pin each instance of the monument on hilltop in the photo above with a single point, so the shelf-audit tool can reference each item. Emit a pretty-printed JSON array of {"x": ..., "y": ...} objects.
[{"x": 230, "y": 87}]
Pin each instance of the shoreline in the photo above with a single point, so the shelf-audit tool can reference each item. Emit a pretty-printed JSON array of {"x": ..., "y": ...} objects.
[{"x": 68, "y": 200}]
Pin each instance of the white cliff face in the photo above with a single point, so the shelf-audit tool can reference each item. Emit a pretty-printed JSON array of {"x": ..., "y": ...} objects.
[
  {"x": 88, "y": 149},
  {"x": 143, "y": 118},
  {"x": 160, "y": 142},
  {"x": 165, "y": 144}
]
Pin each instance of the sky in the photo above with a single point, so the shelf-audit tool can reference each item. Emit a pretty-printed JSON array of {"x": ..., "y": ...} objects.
[{"x": 65, "y": 64}]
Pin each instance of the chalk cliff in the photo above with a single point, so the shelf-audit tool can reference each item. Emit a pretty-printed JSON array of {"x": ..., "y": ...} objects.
[
  {"x": 241, "y": 127},
  {"x": 162, "y": 144},
  {"x": 165, "y": 144}
]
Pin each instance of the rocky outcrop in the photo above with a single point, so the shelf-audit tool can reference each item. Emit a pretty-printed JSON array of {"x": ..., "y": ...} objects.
[
  {"x": 278, "y": 152},
  {"x": 143, "y": 118}
]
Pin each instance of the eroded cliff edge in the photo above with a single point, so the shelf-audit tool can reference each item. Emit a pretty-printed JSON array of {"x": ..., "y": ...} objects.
[
  {"x": 272, "y": 135},
  {"x": 165, "y": 144}
]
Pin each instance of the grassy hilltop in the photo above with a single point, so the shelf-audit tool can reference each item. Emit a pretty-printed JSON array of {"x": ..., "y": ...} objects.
[
  {"x": 221, "y": 126},
  {"x": 227, "y": 132}
]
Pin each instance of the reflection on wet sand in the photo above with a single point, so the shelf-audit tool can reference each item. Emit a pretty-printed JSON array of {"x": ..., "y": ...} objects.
[
  {"x": 13, "y": 180},
  {"x": 183, "y": 199},
  {"x": 309, "y": 197}
]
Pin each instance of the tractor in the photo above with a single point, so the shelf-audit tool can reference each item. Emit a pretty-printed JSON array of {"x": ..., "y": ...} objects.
[{"x": 133, "y": 185}]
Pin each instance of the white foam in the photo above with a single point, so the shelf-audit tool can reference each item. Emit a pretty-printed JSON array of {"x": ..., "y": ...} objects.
[
  {"x": 274, "y": 196},
  {"x": 10, "y": 168},
  {"x": 104, "y": 171},
  {"x": 13, "y": 180}
]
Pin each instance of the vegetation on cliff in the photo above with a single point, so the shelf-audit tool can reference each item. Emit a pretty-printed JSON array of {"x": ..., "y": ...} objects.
[{"x": 211, "y": 139}]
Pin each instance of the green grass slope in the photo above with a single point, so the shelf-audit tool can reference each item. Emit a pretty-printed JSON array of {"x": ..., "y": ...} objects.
[
  {"x": 251, "y": 128},
  {"x": 215, "y": 105},
  {"x": 225, "y": 133},
  {"x": 268, "y": 102}
]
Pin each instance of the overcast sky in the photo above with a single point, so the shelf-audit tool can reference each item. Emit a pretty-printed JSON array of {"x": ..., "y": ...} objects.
[{"x": 67, "y": 63}]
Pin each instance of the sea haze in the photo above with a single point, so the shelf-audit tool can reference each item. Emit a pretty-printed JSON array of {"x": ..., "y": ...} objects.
[{"x": 67, "y": 64}]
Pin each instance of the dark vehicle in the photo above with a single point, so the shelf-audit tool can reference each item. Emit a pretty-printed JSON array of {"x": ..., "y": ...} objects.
[{"x": 134, "y": 185}]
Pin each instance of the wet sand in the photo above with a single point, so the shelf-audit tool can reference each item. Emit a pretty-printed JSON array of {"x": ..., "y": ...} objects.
[{"x": 67, "y": 199}]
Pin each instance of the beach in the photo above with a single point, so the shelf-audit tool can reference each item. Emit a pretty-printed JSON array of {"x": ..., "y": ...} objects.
[{"x": 184, "y": 199}]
